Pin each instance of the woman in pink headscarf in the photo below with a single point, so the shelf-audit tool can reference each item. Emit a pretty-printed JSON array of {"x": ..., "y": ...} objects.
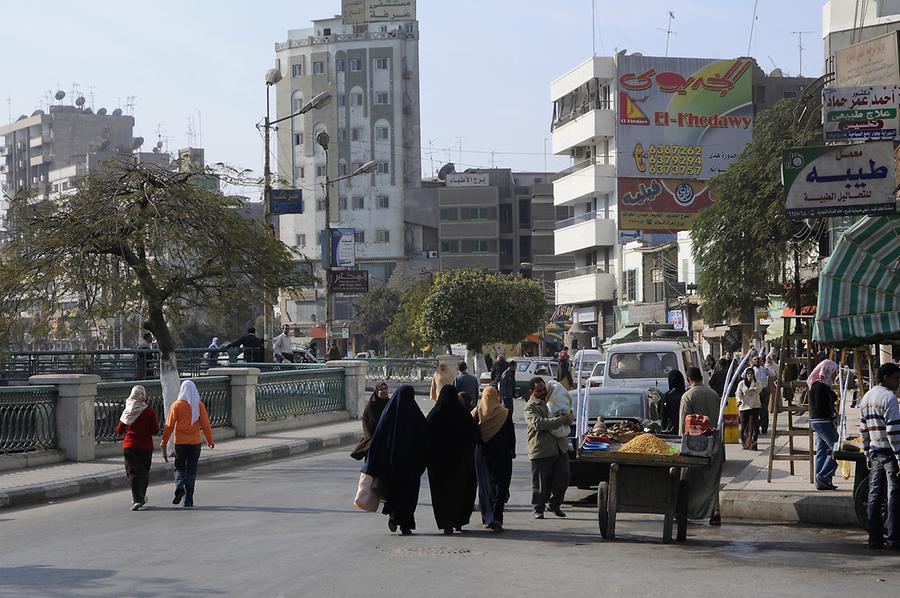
[{"x": 822, "y": 421}]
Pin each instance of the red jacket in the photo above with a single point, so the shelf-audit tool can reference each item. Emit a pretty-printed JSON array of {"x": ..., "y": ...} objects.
[{"x": 140, "y": 434}]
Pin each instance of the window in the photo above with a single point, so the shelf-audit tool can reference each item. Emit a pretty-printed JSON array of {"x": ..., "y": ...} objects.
[
  {"x": 354, "y": 166},
  {"x": 450, "y": 214},
  {"x": 634, "y": 365},
  {"x": 525, "y": 248},
  {"x": 383, "y": 28},
  {"x": 356, "y": 99},
  {"x": 478, "y": 246},
  {"x": 355, "y": 65},
  {"x": 381, "y": 64},
  {"x": 382, "y": 168},
  {"x": 299, "y": 172},
  {"x": 342, "y": 134},
  {"x": 298, "y": 104},
  {"x": 631, "y": 285},
  {"x": 342, "y": 100},
  {"x": 359, "y": 203},
  {"x": 320, "y": 171},
  {"x": 383, "y": 201},
  {"x": 478, "y": 213},
  {"x": 359, "y": 236},
  {"x": 318, "y": 68},
  {"x": 381, "y": 133},
  {"x": 409, "y": 28},
  {"x": 356, "y": 133},
  {"x": 342, "y": 203},
  {"x": 339, "y": 65},
  {"x": 298, "y": 138},
  {"x": 381, "y": 98},
  {"x": 525, "y": 213},
  {"x": 297, "y": 70},
  {"x": 383, "y": 236},
  {"x": 342, "y": 169},
  {"x": 449, "y": 246},
  {"x": 301, "y": 240},
  {"x": 320, "y": 205},
  {"x": 790, "y": 94}
]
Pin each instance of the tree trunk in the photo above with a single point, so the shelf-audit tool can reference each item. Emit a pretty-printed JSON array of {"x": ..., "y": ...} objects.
[{"x": 168, "y": 365}]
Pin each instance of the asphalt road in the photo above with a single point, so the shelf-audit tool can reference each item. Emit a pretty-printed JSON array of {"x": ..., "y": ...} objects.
[{"x": 287, "y": 528}]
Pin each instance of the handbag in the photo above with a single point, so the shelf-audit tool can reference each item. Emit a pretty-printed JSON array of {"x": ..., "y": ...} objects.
[{"x": 367, "y": 495}]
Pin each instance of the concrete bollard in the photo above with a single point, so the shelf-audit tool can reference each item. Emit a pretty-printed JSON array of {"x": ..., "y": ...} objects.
[
  {"x": 355, "y": 397},
  {"x": 243, "y": 398},
  {"x": 74, "y": 412}
]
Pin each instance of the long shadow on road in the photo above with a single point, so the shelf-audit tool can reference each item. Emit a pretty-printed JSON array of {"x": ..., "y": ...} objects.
[{"x": 44, "y": 580}]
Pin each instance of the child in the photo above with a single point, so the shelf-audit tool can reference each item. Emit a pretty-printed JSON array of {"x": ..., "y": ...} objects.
[{"x": 559, "y": 402}]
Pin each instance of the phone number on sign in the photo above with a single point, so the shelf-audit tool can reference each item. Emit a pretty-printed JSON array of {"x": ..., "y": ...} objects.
[{"x": 675, "y": 159}]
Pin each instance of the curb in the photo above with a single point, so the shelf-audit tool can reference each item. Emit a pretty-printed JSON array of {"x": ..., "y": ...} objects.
[
  {"x": 43, "y": 493},
  {"x": 788, "y": 508}
]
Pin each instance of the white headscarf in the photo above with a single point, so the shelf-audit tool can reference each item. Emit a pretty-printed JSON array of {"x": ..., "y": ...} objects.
[
  {"x": 134, "y": 405},
  {"x": 215, "y": 343},
  {"x": 189, "y": 393}
]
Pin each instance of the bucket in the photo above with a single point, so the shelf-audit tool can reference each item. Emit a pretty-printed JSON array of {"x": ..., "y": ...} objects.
[{"x": 731, "y": 422}]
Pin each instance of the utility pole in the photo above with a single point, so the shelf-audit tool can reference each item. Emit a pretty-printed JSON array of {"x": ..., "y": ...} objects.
[
  {"x": 268, "y": 311},
  {"x": 800, "y": 35}
]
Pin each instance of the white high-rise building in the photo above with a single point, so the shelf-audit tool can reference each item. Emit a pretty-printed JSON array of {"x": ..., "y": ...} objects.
[{"x": 370, "y": 68}]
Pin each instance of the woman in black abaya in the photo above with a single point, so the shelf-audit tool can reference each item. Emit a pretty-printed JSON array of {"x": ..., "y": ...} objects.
[
  {"x": 371, "y": 414},
  {"x": 397, "y": 458},
  {"x": 451, "y": 463}
]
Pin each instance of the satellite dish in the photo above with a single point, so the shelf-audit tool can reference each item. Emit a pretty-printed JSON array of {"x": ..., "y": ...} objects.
[
  {"x": 79, "y": 101},
  {"x": 445, "y": 170},
  {"x": 155, "y": 150},
  {"x": 159, "y": 144},
  {"x": 137, "y": 142},
  {"x": 636, "y": 54},
  {"x": 776, "y": 72},
  {"x": 36, "y": 112},
  {"x": 60, "y": 95},
  {"x": 101, "y": 111},
  {"x": 117, "y": 112},
  {"x": 21, "y": 117}
]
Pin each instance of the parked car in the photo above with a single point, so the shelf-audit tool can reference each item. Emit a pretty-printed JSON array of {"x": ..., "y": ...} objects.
[
  {"x": 526, "y": 369},
  {"x": 366, "y": 355},
  {"x": 647, "y": 364},
  {"x": 304, "y": 356},
  {"x": 583, "y": 363},
  {"x": 594, "y": 380}
]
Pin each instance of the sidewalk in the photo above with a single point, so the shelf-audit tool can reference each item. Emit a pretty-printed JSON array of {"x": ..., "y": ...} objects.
[{"x": 36, "y": 485}]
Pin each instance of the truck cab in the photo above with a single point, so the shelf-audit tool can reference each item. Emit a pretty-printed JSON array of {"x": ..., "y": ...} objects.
[{"x": 647, "y": 363}]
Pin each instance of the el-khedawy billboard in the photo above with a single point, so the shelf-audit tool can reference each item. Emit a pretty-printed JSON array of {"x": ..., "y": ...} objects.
[
  {"x": 661, "y": 205},
  {"x": 682, "y": 117}
]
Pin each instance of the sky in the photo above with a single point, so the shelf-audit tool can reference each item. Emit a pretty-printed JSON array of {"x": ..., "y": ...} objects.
[{"x": 485, "y": 66}]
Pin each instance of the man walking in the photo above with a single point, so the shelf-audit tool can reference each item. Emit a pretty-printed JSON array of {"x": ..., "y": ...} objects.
[
  {"x": 879, "y": 426},
  {"x": 700, "y": 399},
  {"x": 763, "y": 372},
  {"x": 467, "y": 383},
  {"x": 252, "y": 345},
  {"x": 506, "y": 385},
  {"x": 281, "y": 345},
  {"x": 548, "y": 453}
]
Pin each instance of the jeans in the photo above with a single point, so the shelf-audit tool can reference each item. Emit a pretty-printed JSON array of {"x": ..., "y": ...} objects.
[
  {"x": 549, "y": 480},
  {"x": 826, "y": 436},
  {"x": 883, "y": 479},
  {"x": 186, "y": 457}
]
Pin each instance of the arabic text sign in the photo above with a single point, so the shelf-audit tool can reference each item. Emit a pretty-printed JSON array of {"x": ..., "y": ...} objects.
[
  {"x": 660, "y": 205},
  {"x": 873, "y": 62},
  {"x": 350, "y": 282},
  {"x": 343, "y": 248},
  {"x": 682, "y": 117},
  {"x": 839, "y": 180},
  {"x": 286, "y": 201},
  {"x": 860, "y": 112},
  {"x": 353, "y": 11},
  {"x": 466, "y": 179}
]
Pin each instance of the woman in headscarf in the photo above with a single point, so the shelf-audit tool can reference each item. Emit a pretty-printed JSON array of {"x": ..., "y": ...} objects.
[
  {"x": 187, "y": 417},
  {"x": 371, "y": 414},
  {"x": 494, "y": 453},
  {"x": 139, "y": 425},
  {"x": 821, "y": 419},
  {"x": 397, "y": 457},
  {"x": 442, "y": 377},
  {"x": 672, "y": 402},
  {"x": 748, "y": 400},
  {"x": 451, "y": 461},
  {"x": 212, "y": 355},
  {"x": 717, "y": 380}
]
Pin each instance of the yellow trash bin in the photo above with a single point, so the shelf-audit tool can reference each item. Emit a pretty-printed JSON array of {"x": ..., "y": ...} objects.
[{"x": 731, "y": 422}]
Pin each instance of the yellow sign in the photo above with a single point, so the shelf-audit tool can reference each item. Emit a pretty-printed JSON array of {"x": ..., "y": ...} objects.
[
  {"x": 363, "y": 11},
  {"x": 353, "y": 11},
  {"x": 656, "y": 220}
]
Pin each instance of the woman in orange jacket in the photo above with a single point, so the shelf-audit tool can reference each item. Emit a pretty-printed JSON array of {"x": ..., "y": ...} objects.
[{"x": 186, "y": 418}]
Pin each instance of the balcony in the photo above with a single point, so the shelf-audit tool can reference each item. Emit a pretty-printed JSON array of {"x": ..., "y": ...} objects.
[
  {"x": 598, "y": 67},
  {"x": 584, "y": 232},
  {"x": 600, "y": 122},
  {"x": 590, "y": 284},
  {"x": 36, "y": 141},
  {"x": 585, "y": 179}
]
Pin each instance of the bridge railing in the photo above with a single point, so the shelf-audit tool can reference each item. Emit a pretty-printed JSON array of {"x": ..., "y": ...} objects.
[
  {"x": 287, "y": 394},
  {"x": 400, "y": 370},
  {"x": 27, "y": 418}
]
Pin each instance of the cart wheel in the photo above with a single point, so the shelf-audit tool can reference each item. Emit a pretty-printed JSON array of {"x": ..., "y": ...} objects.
[
  {"x": 681, "y": 512},
  {"x": 861, "y": 505},
  {"x": 603, "y": 508}
]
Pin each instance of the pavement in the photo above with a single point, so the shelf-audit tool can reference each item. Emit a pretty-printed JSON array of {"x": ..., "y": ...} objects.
[{"x": 745, "y": 494}]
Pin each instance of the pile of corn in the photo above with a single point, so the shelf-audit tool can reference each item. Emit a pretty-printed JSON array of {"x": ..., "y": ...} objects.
[{"x": 646, "y": 444}]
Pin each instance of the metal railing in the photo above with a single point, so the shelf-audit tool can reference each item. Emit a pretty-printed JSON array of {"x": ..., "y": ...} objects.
[
  {"x": 587, "y": 217},
  {"x": 109, "y": 403},
  {"x": 287, "y": 394},
  {"x": 583, "y": 271},
  {"x": 400, "y": 370},
  {"x": 27, "y": 418}
]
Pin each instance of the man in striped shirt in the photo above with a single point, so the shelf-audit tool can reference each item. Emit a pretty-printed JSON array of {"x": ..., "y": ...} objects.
[{"x": 879, "y": 426}]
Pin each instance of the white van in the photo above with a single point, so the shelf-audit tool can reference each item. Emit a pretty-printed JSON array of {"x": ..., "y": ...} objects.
[{"x": 647, "y": 364}]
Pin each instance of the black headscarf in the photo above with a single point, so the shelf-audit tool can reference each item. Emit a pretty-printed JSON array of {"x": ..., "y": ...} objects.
[
  {"x": 672, "y": 403},
  {"x": 399, "y": 447},
  {"x": 370, "y": 416},
  {"x": 450, "y": 425},
  {"x": 676, "y": 380}
]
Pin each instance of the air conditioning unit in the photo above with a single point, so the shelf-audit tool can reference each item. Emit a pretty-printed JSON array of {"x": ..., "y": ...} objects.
[{"x": 432, "y": 254}]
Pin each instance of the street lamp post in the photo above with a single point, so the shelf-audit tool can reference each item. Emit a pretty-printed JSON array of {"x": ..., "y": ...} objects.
[
  {"x": 273, "y": 76},
  {"x": 323, "y": 139}
]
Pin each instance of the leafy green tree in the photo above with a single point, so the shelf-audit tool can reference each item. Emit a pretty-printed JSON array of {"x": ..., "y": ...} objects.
[
  {"x": 142, "y": 235},
  {"x": 476, "y": 307},
  {"x": 741, "y": 242},
  {"x": 376, "y": 310},
  {"x": 405, "y": 335}
]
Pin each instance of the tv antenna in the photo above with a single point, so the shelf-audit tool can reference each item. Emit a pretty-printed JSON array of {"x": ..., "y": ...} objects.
[
  {"x": 91, "y": 95},
  {"x": 668, "y": 31},
  {"x": 190, "y": 131},
  {"x": 130, "y": 104},
  {"x": 752, "y": 25},
  {"x": 800, "y": 35}
]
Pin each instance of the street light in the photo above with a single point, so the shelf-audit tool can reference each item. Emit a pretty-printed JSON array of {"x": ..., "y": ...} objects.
[
  {"x": 273, "y": 76},
  {"x": 322, "y": 138}
]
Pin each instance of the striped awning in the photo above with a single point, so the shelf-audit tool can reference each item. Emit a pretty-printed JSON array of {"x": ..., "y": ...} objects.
[{"x": 859, "y": 289}]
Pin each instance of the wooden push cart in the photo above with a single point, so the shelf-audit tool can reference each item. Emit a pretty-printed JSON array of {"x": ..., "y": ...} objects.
[{"x": 640, "y": 483}]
